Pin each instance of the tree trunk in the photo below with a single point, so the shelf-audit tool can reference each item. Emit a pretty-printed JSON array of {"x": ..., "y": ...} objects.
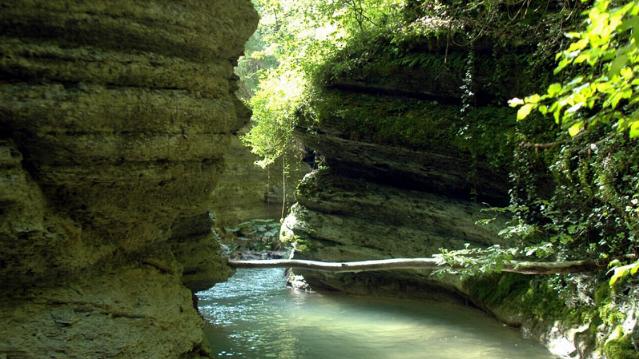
[{"x": 521, "y": 267}]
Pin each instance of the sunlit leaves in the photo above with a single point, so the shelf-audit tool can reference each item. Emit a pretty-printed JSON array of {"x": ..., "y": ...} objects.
[
  {"x": 634, "y": 129},
  {"x": 554, "y": 89},
  {"x": 514, "y": 102},
  {"x": 524, "y": 111},
  {"x": 606, "y": 56},
  {"x": 274, "y": 105},
  {"x": 471, "y": 261},
  {"x": 600, "y": 86},
  {"x": 622, "y": 271},
  {"x": 576, "y": 128},
  {"x": 617, "y": 64},
  {"x": 300, "y": 35}
]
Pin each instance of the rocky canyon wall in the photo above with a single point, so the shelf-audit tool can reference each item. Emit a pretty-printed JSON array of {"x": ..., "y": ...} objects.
[
  {"x": 114, "y": 120},
  {"x": 403, "y": 171},
  {"x": 415, "y": 141}
]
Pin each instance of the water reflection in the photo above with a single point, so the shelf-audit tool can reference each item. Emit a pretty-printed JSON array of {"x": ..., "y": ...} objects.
[{"x": 254, "y": 315}]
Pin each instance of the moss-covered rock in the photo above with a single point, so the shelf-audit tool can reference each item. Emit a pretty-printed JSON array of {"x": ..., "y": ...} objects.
[
  {"x": 114, "y": 120},
  {"x": 587, "y": 320}
]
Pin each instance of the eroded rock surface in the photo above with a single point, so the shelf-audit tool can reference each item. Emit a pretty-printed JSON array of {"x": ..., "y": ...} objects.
[
  {"x": 114, "y": 120},
  {"x": 376, "y": 197},
  {"x": 380, "y": 208}
]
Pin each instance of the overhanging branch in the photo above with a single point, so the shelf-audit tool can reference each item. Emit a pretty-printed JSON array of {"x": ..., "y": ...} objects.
[{"x": 521, "y": 267}]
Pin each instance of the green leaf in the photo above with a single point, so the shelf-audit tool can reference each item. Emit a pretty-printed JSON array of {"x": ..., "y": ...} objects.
[
  {"x": 604, "y": 87},
  {"x": 533, "y": 98},
  {"x": 554, "y": 89},
  {"x": 617, "y": 64},
  {"x": 562, "y": 64},
  {"x": 514, "y": 102},
  {"x": 615, "y": 277},
  {"x": 524, "y": 111},
  {"x": 634, "y": 129},
  {"x": 627, "y": 73},
  {"x": 623, "y": 271},
  {"x": 576, "y": 128},
  {"x": 573, "y": 35}
]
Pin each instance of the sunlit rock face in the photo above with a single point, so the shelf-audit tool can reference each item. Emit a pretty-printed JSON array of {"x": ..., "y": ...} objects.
[{"x": 114, "y": 120}]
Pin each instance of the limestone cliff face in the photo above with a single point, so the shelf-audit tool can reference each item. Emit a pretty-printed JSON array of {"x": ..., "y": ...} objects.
[
  {"x": 390, "y": 203},
  {"x": 378, "y": 198},
  {"x": 114, "y": 120}
]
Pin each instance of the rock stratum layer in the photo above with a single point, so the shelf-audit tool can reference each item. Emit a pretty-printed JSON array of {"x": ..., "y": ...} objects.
[
  {"x": 376, "y": 198},
  {"x": 114, "y": 120},
  {"x": 375, "y": 202}
]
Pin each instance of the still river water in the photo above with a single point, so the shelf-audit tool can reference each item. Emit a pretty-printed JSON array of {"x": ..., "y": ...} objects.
[{"x": 254, "y": 315}]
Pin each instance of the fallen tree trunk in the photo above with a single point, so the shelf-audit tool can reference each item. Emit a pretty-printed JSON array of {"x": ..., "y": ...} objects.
[{"x": 521, "y": 267}]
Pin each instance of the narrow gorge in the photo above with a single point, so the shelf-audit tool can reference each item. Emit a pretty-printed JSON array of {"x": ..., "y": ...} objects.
[{"x": 127, "y": 180}]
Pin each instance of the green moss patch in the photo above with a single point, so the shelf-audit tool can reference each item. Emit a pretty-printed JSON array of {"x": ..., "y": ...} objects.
[{"x": 484, "y": 133}]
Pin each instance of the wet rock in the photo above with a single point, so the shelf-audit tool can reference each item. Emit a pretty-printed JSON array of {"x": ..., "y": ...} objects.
[
  {"x": 297, "y": 282},
  {"x": 256, "y": 235}
]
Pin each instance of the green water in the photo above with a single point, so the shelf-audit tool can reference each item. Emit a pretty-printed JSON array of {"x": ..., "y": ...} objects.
[{"x": 254, "y": 315}]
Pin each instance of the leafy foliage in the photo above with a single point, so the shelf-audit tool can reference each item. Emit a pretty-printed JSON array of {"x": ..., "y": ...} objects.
[
  {"x": 274, "y": 106},
  {"x": 605, "y": 58},
  {"x": 299, "y": 35},
  {"x": 470, "y": 262},
  {"x": 622, "y": 271},
  {"x": 302, "y": 44},
  {"x": 594, "y": 207}
]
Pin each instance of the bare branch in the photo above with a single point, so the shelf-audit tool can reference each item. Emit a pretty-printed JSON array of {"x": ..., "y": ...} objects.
[{"x": 521, "y": 267}]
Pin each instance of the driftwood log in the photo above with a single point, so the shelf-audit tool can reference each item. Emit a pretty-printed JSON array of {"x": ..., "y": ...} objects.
[{"x": 522, "y": 267}]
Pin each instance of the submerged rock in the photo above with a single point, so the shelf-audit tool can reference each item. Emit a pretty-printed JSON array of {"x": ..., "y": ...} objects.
[{"x": 114, "y": 117}]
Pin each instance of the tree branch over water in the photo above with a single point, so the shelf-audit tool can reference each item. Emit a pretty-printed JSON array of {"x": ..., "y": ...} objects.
[{"x": 522, "y": 267}]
